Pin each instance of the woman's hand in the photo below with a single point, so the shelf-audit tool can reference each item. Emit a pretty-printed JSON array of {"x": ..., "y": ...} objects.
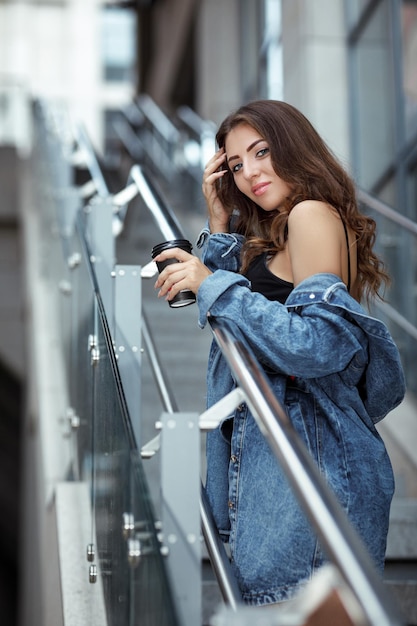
[
  {"x": 217, "y": 214},
  {"x": 189, "y": 273}
]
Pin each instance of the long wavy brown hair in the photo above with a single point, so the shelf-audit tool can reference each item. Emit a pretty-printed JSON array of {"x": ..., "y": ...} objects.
[{"x": 301, "y": 158}]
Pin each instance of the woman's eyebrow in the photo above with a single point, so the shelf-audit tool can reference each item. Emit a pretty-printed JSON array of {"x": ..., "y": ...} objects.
[{"x": 248, "y": 149}]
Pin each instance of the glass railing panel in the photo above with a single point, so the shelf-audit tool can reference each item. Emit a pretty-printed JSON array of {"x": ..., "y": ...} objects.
[
  {"x": 111, "y": 477},
  {"x": 131, "y": 565},
  {"x": 131, "y": 570},
  {"x": 80, "y": 354},
  {"x": 135, "y": 588},
  {"x": 152, "y": 603}
]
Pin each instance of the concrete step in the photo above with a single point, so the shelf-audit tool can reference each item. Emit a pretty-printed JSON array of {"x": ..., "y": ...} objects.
[
  {"x": 401, "y": 557},
  {"x": 211, "y": 596}
]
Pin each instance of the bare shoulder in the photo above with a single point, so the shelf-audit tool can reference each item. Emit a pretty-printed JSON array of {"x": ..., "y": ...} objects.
[
  {"x": 309, "y": 211},
  {"x": 315, "y": 240},
  {"x": 314, "y": 219}
]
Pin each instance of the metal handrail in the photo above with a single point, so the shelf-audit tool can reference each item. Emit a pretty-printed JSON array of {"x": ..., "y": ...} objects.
[
  {"x": 339, "y": 539},
  {"x": 164, "y": 218},
  {"x": 397, "y": 218},
  {"x": 157, "y": 118},
  {"x": 397, "y": 318},
  {"x": 91, "y": 161},
  {"x": 384, "y": 209},
  {"x": 194, "y": 122}
]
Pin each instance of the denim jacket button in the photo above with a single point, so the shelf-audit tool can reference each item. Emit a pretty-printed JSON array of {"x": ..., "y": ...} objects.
[
  {"x": 233, "y": 458},
  {"x": 230, "y": 504}
]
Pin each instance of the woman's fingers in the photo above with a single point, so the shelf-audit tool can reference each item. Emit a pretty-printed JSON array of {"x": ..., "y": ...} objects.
[
  {"x": 216, "y": 161},
  {"x": 217, "y": 214},
  {"x": 188, "y": 274},
  {"x": 174, "y": 253},
  {"x": 212, "y": 170}
]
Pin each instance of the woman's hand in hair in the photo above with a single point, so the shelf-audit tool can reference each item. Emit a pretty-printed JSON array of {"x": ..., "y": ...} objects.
[{"x": 217, "y": 214}]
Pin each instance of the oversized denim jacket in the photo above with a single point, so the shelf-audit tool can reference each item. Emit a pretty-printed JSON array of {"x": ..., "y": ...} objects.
[{"x": 337, "y": 372}]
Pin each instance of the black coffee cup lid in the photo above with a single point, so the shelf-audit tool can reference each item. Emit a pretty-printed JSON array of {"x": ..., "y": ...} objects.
[{"x": 173, "y": 243}]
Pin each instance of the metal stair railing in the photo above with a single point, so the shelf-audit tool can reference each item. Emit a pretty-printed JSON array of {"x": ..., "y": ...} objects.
[{"x": 384, "y": 209}]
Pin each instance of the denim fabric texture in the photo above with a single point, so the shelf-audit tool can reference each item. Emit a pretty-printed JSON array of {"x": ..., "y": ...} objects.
[{"x": 346, "y": 375}]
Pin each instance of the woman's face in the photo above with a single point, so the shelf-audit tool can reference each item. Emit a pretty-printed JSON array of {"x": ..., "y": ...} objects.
[{"x": 249, "y": 160}]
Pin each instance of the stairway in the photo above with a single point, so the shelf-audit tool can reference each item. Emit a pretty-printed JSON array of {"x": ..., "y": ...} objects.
[
  {"x": 399, "y": 431},
  {"x": 401, "y": 558}
]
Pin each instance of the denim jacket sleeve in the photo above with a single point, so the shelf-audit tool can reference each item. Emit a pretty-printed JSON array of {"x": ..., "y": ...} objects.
[
  {"x": 305, "y": 341},
  {"x": 220, "y": 250}
]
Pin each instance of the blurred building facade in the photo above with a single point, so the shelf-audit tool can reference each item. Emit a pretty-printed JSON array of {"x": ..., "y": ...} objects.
[{"x": 349, "y": 65}]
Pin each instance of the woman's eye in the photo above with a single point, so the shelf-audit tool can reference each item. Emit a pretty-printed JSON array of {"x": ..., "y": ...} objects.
[
  {"x": 236, "y": 167},
  {"x": 262, "y": 152}
]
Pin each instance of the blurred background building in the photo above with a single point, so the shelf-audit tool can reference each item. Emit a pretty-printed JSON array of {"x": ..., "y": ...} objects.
[{"x": 349, "y": 65}]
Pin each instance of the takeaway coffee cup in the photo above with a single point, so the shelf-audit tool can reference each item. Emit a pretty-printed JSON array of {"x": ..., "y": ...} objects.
[{"x": 184, "y": 297}]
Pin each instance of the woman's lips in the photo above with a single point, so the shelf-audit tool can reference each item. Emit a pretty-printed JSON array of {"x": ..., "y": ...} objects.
[{"x": 259, "y": 189}]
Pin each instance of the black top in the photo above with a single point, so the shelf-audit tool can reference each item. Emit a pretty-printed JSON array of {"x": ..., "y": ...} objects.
[{"x": 265, "y": 282}]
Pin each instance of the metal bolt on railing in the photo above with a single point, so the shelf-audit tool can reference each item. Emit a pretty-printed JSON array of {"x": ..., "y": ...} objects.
[
  {"x": 91, "y": 552},
  {"x": 92, "y": 574},
  {"x": 74, "y": 260},
  {"x": 131, "y": 526},
  {"x": 138, "y": 547}
]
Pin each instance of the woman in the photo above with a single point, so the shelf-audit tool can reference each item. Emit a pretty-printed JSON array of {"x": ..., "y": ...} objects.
[{"x": 288, "y": 257}]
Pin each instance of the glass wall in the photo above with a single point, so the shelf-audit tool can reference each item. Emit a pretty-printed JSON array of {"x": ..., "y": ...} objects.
[
  {"x": 382, "y": 42},
  {"x": 374, "y": 98}
]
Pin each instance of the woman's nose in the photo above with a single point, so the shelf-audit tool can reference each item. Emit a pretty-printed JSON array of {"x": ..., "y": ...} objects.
[{"x": 250, "y": 169}]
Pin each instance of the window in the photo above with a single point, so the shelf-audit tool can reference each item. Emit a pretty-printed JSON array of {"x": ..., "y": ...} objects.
[
  {"x": 374, "y": 111},
  {"x": 273, "y": 50},
  {"x": 119, "y": 44}
]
